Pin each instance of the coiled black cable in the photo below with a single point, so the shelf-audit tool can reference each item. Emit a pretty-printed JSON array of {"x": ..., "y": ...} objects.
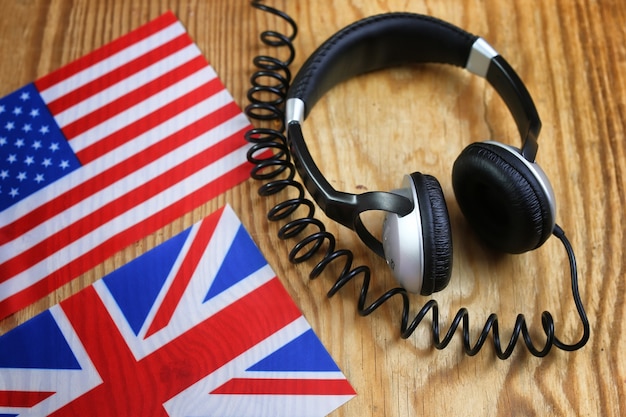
[{"x": 269, "y": 153}]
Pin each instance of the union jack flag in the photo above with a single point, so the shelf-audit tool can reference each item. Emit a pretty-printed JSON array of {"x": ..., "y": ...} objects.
[
  {"x": 106, "y": 150},
  {"x": 199, "y": 325}
]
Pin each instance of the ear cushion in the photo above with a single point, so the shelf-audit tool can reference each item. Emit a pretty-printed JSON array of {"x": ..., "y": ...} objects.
[
  {"x": 436, "y": 233},
  {"x": 501, "y": 198}
]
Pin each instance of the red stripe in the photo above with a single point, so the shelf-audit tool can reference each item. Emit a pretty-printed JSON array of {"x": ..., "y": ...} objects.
[
  {"x": 108, "y": 248},
  {"x": 73, "y": 196},
  {"x": 106, "y": 51},
  {"x": 139, "y": 388},
  {"x": 150, "y": 121},
  {"x": 22, "y": 398},
  {"x": 103, "y": 213},
  {"x": 125, "y": 102},
  {"x": 271, "y": 386},
  {"x": 183, "y": 276},
  {"x": 118, "y": 74}
]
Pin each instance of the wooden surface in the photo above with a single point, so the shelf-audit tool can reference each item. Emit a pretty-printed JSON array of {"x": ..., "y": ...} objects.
[{"x": 368, "y": 133}]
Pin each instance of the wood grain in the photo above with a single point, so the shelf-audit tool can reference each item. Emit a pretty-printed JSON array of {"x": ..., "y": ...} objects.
[{"x": 369, "y": 132}]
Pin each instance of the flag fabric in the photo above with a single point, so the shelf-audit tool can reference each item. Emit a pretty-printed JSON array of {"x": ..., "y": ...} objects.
[
  {"x": 198, "y": 326},
  {"x": 107, "y": 150}
]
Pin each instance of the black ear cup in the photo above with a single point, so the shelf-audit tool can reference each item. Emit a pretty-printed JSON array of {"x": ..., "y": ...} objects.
[
  {"x": 508, "y": 205},
  {"x": 436, "y": 233}
]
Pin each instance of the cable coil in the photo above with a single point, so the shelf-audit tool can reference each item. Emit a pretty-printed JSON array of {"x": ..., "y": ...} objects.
[{"x": 270, "y": 156}]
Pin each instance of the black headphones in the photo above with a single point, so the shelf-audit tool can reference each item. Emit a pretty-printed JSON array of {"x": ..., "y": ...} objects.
[{"x": 502, "y": 192}]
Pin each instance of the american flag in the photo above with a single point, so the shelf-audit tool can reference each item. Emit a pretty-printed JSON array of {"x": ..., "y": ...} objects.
[
  {"x": 199, "y": 325},
  {"x": 107, "y": 150}
]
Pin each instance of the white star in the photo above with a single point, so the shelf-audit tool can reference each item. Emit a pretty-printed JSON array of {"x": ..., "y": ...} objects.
[
  {"x": 2, "y": 108},
  {"x": 17, "y": 111},
  {"x": 4, "y": 174},
  {"x": 9, "y": 126},
  {"x": 12, "y": 158},
  {"x": 3, "y": 141},
  {"x": 27, "y": 128},
  {"x": 36, "y": 144},
  {"x": 39, "y": 178},
  {"x": 24, "y": 96},
  {"x": 54, "y": 146},
  {"x": 64, "y": 164},
  {"x": 34, "y": 113},
  {"x": 29, "y": 160},
  {"x": 19, "y": 143},
  {"x": 14, "y": 192},
  {"x": 44, "y": 129},
  {"x": 46, "y": 162},
  {"x": 21, "y": 176}
]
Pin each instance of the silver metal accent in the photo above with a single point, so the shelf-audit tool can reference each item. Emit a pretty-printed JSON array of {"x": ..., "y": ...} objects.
[
  {"x": 294, "y": 111},
  {"x": 403, "y": 242},
  {"x": 539, "y": 174},
  {"x": 480, "y": 57}
]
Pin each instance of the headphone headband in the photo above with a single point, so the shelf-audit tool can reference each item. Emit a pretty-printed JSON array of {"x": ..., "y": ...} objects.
[
  {"x": 385, "y": 41},
  {"x": 376, "y": 43}
]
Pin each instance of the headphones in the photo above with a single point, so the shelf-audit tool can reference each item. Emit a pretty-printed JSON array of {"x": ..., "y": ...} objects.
[{"x": 504, "y": 195}]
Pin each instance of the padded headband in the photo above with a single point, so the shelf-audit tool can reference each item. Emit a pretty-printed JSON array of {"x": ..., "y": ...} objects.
[{"x": 384, "y": 41}]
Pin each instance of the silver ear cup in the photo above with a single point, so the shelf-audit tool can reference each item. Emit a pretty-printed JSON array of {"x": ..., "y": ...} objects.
[{"x": 403, "y": 242}]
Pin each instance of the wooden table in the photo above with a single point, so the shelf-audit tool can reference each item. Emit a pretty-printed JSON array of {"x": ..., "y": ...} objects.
[{"x": 366, "y": 134}]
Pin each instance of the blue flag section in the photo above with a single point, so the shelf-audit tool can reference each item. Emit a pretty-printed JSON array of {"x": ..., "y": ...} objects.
[
  {"x": 33, "y": 150},
  {"x": 242, "y": 259},
  {"x": 289, "y": 357},
  {"x": 37, "y": 344}
]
